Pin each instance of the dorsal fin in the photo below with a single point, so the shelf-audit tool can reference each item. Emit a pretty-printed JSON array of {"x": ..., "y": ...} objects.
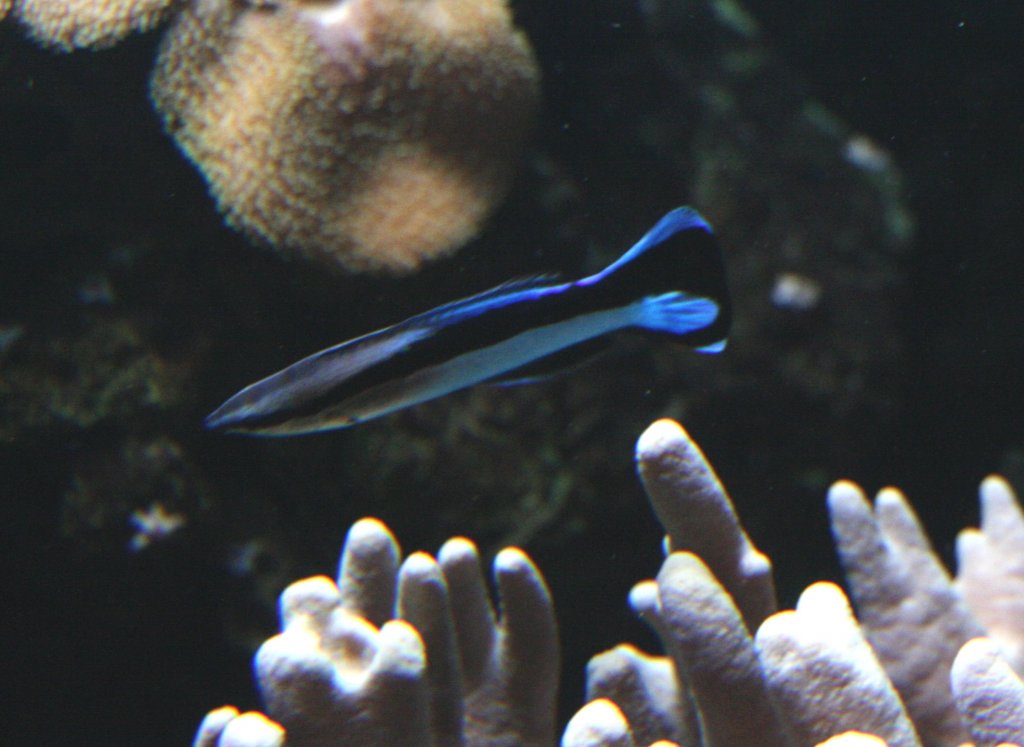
[
  {"x": 679, "y": 234},
  {"x": 480, "y": 302}
]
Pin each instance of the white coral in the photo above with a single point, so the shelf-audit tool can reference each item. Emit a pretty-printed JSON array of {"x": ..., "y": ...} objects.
[
  {"x": 820, "y": 675},
  {"x": 408, "y": 654},
  {"x": 415, "y": 653}
]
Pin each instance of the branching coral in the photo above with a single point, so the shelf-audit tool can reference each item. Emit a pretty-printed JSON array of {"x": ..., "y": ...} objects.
[
  {"x": 343, "y": 672},
  {"x": 988, "y": 693},
  {"x": 909, "y": 610},
  {"x": 736, "y": 673},
  {"x": 991, "y": 569},
  {"x": 822, "y": 675},
  {"x": 365, "y": 134}
]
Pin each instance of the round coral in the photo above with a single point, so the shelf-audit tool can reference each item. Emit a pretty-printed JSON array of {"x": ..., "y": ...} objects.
[
  {"x": 68, "y": 24},
  {"x": 367, "y": 134}
]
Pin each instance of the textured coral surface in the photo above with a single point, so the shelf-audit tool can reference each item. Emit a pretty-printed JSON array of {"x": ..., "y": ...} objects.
[
  {"x": 415, "y": 653},
  {"x": 370, "y": 134}
]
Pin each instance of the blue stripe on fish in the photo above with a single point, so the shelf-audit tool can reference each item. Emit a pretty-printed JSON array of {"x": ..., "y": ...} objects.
[{"x": 670, "y": 284}]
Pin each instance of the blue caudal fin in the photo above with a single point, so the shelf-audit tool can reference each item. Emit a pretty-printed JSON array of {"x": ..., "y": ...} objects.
[
  {"x": 676, "y": 313},
  {"x": 677, "y": 271}
]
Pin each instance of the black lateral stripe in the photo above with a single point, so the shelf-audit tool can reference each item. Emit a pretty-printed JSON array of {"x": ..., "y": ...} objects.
[
  {"x": 442, "y": 345},
  {"x": 687, "y": 261}
]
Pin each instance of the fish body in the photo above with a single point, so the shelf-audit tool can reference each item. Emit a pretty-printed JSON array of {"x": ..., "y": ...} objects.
[{"x": 671, "y": 284}]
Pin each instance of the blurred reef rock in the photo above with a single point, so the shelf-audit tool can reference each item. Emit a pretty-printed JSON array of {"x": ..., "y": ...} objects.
[
  {"x": 413, "y": 652},
  {"x": 78, "y": 24},
  {"x": 370, "y": 135}
]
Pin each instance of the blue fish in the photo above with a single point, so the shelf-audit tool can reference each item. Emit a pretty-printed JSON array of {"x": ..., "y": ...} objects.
[{"x": 670, "y": 284}]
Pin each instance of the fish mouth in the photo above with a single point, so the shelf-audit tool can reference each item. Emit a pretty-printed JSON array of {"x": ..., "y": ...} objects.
[
  {"x": 232, "y": 415},
  {"x": 218, "y": 420}
]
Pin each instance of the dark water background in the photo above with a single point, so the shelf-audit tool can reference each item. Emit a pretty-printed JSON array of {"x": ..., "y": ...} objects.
[
  {"x": 108, "y": 647},
  {"x": 937, "y": 86}
]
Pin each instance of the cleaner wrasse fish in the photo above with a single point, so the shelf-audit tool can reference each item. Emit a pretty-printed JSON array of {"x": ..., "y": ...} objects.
[{"x": 670, "y": 284}]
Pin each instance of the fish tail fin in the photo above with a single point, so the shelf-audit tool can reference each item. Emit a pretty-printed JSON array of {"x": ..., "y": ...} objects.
[
  {"x": 677, "y": 271},
  {"x": 677, "y": 314}
]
